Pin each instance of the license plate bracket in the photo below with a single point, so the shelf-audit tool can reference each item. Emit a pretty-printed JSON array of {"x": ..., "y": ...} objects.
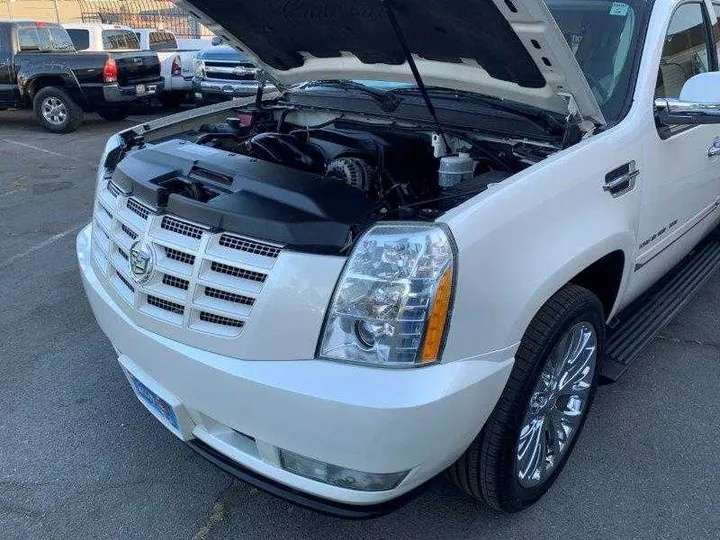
[
  {"x": 155, "y": 403},
  {"x": 162, "y": 404}
]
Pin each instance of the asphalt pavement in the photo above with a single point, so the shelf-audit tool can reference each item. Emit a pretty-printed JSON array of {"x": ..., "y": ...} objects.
[{"x": 80, "y": 457}]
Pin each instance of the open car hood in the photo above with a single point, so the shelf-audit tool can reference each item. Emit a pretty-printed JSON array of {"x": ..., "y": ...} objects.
[{"x": 509, "y": 49}]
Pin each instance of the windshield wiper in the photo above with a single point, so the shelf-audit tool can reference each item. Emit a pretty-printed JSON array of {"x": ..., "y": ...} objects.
[
  {"x": 550, "y": 120},
  {"x": 387, "y": 101}
]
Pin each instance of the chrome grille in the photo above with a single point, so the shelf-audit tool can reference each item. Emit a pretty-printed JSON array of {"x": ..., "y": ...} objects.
[
  {"x": 204, "y": 281},
  {"x": 166, "y": 305},
  {"x": 179, "y": 256},
  {"x": 228, "y": 296},
  {"x": 244, "y": 244},
  {"x": 238, "y": 272},
  {"x": 223, "y": 321},
  {"x": 139, "y": 208},
  {"x": 178, "y": 283},
  {"x": 113, "y": 189},
  {"x": 181, "y": 227},
  {"x": 127, "y": 230},
  {"x": 129, "y": 285}
]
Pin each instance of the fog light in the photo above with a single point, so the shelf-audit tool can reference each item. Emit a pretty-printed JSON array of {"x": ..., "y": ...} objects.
[{"x": 339, "y": 476}]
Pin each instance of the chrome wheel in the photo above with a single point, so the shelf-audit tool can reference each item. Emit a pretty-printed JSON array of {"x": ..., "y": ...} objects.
[
  {"x": 54, "y": 110},
  {"x": 557, "y": 405}
]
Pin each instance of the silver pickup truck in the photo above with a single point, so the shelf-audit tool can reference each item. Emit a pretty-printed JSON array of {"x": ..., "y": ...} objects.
[{"x": 222, "y": 73}]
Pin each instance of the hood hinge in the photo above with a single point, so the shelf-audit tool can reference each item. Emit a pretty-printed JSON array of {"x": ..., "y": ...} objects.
[
  {"x": 263, "y": 77},
  {"x": 575, "y": 117}
]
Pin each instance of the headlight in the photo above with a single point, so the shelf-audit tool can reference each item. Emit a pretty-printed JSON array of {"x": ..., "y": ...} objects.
[{"x": 392, "y": 302}]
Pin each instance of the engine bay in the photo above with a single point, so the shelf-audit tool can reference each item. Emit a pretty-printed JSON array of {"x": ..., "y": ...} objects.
[{"x": 313, "y": 183}]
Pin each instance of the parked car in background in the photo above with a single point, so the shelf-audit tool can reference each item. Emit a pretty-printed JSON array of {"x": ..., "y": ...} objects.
[
  {"x": 222, "y": 73},
  {"x": 102, "y": 37},
  {"x": 40, "y": 69},
  {"x": 176, "y": 64},
  {"x": 194, "y": 44}
]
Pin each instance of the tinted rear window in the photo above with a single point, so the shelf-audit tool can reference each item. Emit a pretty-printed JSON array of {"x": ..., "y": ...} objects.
[
  {"x": 28, "y": 39},
  {"x": 44, "y": 38},
  {"x": 162, "y": 41},
  {"x": 80, "y": 38},
  {"x": 120, "y": 39}
]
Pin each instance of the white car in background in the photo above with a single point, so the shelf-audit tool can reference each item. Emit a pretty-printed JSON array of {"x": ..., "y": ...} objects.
[
  {"x": 113, "y": 37},
  {"x": 176, "y": 64},
  {"x": 102, "y": 37}
]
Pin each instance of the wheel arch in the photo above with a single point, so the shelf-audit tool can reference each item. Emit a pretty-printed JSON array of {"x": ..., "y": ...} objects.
[
  {"x": 604, "y": 278},
  {"x": 31, "y": 83},
  {"x": 34, "y": 84},
  {"x": 587, "y": 269}
]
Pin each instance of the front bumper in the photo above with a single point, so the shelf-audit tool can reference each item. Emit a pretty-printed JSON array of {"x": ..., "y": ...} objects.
[
  {"x": 115, "y": 93},
  {"x": 216, "y": 91},
  {"x": 241, "y": 412}
]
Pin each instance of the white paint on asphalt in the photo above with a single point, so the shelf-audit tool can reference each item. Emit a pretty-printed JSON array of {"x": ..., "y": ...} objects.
[
  {"x": 39, "y": 246},
  {"x": 37, "y": 148}
]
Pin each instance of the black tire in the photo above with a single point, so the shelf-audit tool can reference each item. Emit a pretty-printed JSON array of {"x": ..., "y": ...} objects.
[
  {"x": 488, "y": 469},
  {"x": 73, "y": 118},
  {"x": 172, "y": 100},
  {"x": 114, "y": 114}
]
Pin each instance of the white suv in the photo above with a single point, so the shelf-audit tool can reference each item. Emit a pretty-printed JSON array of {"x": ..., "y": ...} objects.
[{"x": 423, "y": 252}]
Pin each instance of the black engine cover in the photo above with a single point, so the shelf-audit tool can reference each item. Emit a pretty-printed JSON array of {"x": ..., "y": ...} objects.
[{"x": 245, "y": 195}]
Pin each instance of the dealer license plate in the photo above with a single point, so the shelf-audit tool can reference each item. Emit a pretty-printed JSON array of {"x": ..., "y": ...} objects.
[{"x": 155, "y": 403}]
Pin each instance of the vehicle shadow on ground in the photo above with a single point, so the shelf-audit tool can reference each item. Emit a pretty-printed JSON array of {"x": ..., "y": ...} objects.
[
  {"x": 440, "y": 511},
  {"x": 25, "y": 121}
]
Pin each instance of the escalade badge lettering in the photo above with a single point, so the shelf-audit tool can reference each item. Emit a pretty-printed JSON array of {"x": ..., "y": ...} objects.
[{"x": 142, "y": 261}]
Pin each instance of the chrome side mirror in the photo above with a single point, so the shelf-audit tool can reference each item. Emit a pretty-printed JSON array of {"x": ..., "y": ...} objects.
[
  {"x": 699, "y": 103},
  {"x": 674, "y": 112}
]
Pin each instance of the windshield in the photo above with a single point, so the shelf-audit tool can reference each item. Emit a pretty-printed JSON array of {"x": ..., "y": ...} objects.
[{"x": 605, "y": 37}]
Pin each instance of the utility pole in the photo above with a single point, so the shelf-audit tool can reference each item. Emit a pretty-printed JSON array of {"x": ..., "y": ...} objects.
[
  {"x": 7, "y": 4},
  {"x": 57, "y": 11}
]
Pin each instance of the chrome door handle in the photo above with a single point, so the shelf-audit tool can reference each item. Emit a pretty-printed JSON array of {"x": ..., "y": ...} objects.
[{"x": 623, "y": 183}]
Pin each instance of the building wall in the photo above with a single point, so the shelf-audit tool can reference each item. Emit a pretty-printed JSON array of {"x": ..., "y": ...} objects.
[
  {"x": 136, "y": 13},
  {"x": 41, "y": 10}
]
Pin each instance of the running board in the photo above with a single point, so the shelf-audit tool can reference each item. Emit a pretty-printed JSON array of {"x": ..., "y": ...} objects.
[{"x": 644, "y": 321}]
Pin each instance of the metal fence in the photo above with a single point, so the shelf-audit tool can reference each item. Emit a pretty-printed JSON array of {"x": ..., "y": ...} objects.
[{"x": 142, "y": 14}]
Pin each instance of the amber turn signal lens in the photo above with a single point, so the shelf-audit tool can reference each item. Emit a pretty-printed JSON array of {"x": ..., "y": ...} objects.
[{"x": 438, "y": 319}]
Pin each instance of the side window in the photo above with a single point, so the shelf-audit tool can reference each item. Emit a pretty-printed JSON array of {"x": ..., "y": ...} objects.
[
  {"x": 80, "y": 38},
  {"x": 60, "y": 39},
  {"x": 28, "y": 39},
  {"x": 686, "y": 52},
  {"x": 44, "y": 39},
  {"x": 162, "y": 41}
]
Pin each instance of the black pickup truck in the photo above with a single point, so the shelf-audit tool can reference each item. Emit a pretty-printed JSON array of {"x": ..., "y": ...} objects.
[{"x": 40, "y": 69}]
